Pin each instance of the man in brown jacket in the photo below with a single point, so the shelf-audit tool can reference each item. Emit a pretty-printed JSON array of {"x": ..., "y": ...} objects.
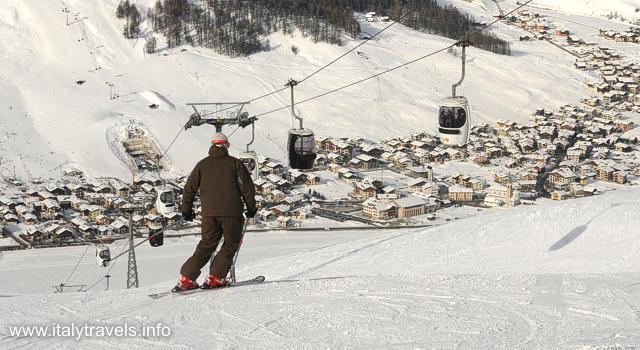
[{"x": 224, "y": 183}]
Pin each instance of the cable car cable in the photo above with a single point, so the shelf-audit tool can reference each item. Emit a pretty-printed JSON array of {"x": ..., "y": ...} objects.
[
  {"x": 78, "y": 263},
  {"x": 357, "y": 46},
  {"x": 328, "y": 64},
  {"x": 113, "y": 260},
  {"x": 164, "y": 153},
  {"x": 110, "y": 267},
  {"x": 394, "y": 68},
  {"x": 357, "y": 82},
  {"x": 300, "y": 81}
]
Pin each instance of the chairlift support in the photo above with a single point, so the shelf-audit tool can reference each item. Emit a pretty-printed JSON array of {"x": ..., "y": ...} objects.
[
  {"x": 301, "y": 143},
  {"x": 454, "y": 115},
  {"x": 103, "y": 255},
  {"x": 240, "y": 118},
  {"x": 214, "y": 118}
]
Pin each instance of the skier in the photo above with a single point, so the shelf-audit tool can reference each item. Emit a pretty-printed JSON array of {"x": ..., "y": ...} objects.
[{"x": 223, "y": 182}]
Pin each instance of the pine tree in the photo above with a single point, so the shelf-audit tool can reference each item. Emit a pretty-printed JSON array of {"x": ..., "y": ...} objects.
[
  {"x": 150, "y": 46},
  {"x": 134, "y": 22}
]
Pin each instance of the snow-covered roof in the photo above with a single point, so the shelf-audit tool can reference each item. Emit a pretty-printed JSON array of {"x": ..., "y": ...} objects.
[
  {"x": 379, "y": 206},
  {"x": 408, "y": 202}
]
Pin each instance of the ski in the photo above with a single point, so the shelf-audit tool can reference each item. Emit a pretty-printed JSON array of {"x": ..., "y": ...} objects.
[{"x": 256, "y": 280}]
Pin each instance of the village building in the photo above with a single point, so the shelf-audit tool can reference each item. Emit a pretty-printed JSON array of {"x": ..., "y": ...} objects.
[
  {"x": 284, "y": 222},
  {"x": 410, "y": 206},
  {"x": 561, "y": 177},
  {"x": 459, "y": 193},
  {"x": 313, "y": 179},
  {"x": 266, "y": 215},
  {"x": 620, "y": 177},
  {"x": 560, "y": 195},
  {"x": 280, "y": 210},
  {"x": 379, "y": 210},
  {"x": 364, "y": 189},
  {"x": 605, "y": 173}
]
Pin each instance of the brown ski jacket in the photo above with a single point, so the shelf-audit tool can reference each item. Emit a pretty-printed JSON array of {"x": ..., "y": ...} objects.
[{"x": 223, "y": 182}]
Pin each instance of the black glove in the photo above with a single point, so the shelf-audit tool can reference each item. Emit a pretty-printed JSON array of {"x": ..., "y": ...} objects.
[
  {"x": 251, "y": 213},
  {"x": 188, "y": 215}
]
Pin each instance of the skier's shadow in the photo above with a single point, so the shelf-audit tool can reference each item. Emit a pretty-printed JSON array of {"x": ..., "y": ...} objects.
[{"x": 576, "y": 232}]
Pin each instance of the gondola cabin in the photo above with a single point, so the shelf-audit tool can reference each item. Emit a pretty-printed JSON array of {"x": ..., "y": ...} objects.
[
  {"x": 453, "y": 121},
  {"x": 156, "y": 235},
  {"x": 250, "y": 161},
  {"x": 103, "y": 255},
  {"x": 165, "y": 200},
  {"x": 301, "y": 146}
]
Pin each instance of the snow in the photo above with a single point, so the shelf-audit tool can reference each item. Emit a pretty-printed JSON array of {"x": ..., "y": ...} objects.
[
  {"x": 8, "y": 242},
  {"x": 70, "y": 124},
  {"x": 557, "y": 275},
  {"x": 560, "y": 274},
  {"x": 155, "y": 98},
  {"x": 625, "y": 8}
]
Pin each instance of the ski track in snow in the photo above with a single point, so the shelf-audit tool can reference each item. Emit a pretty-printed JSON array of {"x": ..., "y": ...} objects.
[
  {"x": 558, "y": 275},
  {"x": 391, "y": 291}
]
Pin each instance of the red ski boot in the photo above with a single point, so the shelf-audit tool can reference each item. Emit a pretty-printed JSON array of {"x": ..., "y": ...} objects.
[
  {"x": 184, "y": 284},
  {"x": 214, "y": 282}
]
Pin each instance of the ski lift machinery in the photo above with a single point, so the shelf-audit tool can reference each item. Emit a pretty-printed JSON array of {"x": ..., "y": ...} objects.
[
  {"x": 454, "y": 115},
  {"x": 242, "y": 119},
  {"x": 301, "y": 143}
]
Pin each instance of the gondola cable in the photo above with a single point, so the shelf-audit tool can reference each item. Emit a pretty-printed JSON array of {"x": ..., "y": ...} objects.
[
  {"x": 77, "y": 263},
  {"x": 468, "y": 38},
  {"x": 110, "y": 267},
  {"x": 326, "y": 65},
  {"x": 164, "y": 153},
  {"x": 303, "y": 79}
]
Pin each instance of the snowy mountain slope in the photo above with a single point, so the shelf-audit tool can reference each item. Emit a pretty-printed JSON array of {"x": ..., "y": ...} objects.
[
  {"x": 35, "y": 271},
  {"x": 519, "y": 279},
  {"x": 48, "y": 119},
  {"x": 625, "y": 8}
]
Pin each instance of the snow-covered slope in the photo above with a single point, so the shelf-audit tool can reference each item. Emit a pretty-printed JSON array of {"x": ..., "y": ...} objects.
[
  {"x": 561, "y": 276},
  {"x": 48, "y": 119},
  {"x": 625, "y": 8}
]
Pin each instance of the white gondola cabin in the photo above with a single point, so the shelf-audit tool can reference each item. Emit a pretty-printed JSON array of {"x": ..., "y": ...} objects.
[
  {"x": 103, "y": 255},
  {"x": 165, "y": 200},
  {"x": 453, "y": 114},
  {"x": 454, "y": 121}
]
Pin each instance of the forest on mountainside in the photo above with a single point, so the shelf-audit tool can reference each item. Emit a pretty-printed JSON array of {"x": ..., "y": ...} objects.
[{"x": 239, "y": 28}]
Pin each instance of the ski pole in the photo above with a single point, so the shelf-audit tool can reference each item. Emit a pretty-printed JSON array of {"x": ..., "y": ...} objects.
[{"x": 233, "y": 265}]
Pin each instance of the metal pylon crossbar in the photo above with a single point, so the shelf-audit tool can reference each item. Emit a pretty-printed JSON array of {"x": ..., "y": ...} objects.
[{"x": 200, "y": 117}]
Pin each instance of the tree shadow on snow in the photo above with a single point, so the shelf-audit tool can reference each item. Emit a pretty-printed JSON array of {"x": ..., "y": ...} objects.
[
  {"x": 569, "y": 237},
  {"x": 578, "y": 231}
]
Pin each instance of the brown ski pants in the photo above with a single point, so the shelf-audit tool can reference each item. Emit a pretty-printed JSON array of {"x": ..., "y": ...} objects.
[{"x": 213, "y": 229}]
